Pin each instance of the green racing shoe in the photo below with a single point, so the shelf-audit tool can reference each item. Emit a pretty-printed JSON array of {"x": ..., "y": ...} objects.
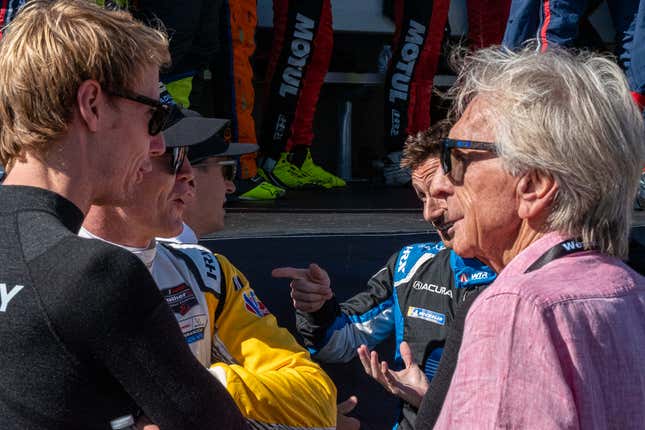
[
  {"x": 323, "y": 177},
  {"x": 284, "y": 173},
  {"x": 257, "y": 189}
]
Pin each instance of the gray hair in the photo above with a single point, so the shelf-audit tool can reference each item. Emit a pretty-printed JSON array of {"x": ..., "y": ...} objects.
[{"x": 569, "y": 115}]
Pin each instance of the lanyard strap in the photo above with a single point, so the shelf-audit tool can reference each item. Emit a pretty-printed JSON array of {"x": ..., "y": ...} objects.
[{"x": 567, "y": 247}]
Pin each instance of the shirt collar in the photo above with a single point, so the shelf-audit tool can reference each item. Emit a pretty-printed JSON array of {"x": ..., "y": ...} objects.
[
  {"x": 20, "y": 197},
  {"x": 187, "y": 235},
  {"x": 531, "y": 253},
  {"x": 146, "y": 255}
]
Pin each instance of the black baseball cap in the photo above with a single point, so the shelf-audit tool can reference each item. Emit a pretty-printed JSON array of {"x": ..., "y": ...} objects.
[
  {"x": 186, "y": 127},
  {"x": 216, "y": 146}
]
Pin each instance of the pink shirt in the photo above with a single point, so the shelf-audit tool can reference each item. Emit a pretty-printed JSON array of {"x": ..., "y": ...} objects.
[{"x": 560, "y": 347}]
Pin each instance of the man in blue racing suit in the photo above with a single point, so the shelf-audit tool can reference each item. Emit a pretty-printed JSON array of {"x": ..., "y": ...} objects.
[{"x": 413, "y": 296}]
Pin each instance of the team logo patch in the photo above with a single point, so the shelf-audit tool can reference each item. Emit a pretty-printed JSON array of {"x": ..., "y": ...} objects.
[
  {"x": 426, "y": 314},
  {"x": 463, "y": 277},
  {"x": 181, "y": 299},
  {"x": 436, "y": 289},
  {"x": 479, "y": 276},
  {"x": 254, "y": 305}
]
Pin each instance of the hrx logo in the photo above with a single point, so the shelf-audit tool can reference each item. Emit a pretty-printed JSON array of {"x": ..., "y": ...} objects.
[{"x": 404, "y": 259}]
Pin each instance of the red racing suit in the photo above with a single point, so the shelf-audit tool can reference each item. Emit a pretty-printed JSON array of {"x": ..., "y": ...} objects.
[
  {"x": 420, "y": 26},
  {"x": 300, "y": 55},
  {"x": 299, "y": 59}
]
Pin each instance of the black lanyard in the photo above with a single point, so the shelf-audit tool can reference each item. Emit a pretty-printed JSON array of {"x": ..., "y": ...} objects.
[{"x": 567, "y": 247}]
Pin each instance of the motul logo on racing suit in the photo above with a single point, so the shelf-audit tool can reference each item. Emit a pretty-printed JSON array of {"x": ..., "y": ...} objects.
[
  {"x": 300, "y": 48},
  {"x": 409, "y": 55},
  {"x": 418, "y": 285},
  {"x": 400, "y": 80}
]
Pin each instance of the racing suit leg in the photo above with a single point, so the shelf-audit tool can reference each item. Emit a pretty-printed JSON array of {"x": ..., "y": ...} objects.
[
  {"x": 559, "y": 22},
  {"x": 629, "y": 21},
  {"x": 416, "y": 47},
  {"x": 523, "y": 22},
  {"x": 486, "y": 22},
  {"x": 550, "y": 21},
  {"x": 300, "y": 56},
  {"x": 243, "y": 20}
]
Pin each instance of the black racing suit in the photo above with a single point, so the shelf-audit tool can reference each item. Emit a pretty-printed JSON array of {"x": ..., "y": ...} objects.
[
  {"x": 79, "y": 328},
  {"x": 414, "y": 296}
]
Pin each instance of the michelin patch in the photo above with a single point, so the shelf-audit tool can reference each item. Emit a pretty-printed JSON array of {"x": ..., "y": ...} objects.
[
  {"x": 254, "y": 305},
  {"x": 426, "y": 314}
]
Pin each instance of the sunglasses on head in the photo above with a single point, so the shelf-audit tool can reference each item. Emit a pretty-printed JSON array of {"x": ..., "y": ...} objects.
[
  {"x": 161, "y": 112},
  {"x": 178, "y": 157},
  {"x": 454, "y": 166}
]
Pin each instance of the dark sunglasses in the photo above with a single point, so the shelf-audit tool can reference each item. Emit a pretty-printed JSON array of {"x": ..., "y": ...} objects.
[
  {"x": 178, "y": 157},
  {"x": 161, "y": 112},
  {"x": 229, "y": 169},
  {"x": 453, "y": 166}
]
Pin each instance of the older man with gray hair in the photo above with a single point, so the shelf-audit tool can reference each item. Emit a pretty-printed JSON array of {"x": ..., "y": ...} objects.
[{"x": 544, "y": 161}]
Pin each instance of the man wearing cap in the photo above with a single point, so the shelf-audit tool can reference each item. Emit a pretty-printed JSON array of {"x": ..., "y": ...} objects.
[
  {"x": 206, "y": 213},
  {"x": 270, "y": 377},
  {"x": 80, "y": 319}
]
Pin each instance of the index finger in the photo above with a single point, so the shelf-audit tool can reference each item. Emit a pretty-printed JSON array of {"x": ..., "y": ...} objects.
[
  {"x": 290, "y": 273},
  {"x": 348, "y": 405}
]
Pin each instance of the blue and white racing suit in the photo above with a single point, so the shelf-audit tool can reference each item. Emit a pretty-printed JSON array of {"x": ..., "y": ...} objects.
[{"x": 412, "y": 296}]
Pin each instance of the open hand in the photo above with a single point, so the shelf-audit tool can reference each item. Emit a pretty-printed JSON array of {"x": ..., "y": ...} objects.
[{"x": 410, "y": 384}]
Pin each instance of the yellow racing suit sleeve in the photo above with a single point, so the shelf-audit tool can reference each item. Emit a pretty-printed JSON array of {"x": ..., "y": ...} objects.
[{"x": 269, "y": 375}]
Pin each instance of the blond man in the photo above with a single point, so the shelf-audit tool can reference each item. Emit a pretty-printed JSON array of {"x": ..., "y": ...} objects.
[{"x": 80, "y": 319}]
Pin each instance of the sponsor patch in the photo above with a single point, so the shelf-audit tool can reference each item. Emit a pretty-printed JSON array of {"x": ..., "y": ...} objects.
[
  {"x": 404, "y": 259},
  {"x": 193, "y": 327},
  {"x": 478, "y": 276},
  {"x": 463, "y": 278},
  {"x": 402, "y": 71},
  {"x": 300, "y": 48},
  {"x": 426, "y": 314},
  {"x": 418, "y": 285},
  {"x": 254, "y": 305},
  {"x": 181, "y": 299}
]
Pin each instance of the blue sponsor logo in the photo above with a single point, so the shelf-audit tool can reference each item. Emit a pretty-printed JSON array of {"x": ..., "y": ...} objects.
[{"x": 426, "y": 314}]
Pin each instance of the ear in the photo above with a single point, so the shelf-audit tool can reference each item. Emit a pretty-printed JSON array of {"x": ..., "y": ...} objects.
[
  {"x": 88, "y": 98},
  {"x": 536, "y": 192}
]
